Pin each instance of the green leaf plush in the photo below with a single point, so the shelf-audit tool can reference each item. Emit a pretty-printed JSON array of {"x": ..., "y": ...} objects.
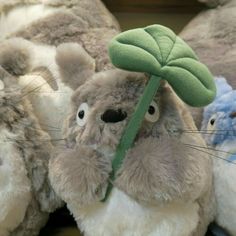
[{"x": 156, "y": 50}]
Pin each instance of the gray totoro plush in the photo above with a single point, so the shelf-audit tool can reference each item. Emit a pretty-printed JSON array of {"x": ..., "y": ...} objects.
[
  {"x": 26, "y": 196},
  {"x": 164, "y": 186}
]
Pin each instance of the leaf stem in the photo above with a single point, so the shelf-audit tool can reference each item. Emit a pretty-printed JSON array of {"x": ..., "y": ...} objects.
[{"x": 132, "y": 128}]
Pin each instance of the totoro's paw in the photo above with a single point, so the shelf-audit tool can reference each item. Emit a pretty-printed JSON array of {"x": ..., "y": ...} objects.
[{"x": 80, "y": 176}]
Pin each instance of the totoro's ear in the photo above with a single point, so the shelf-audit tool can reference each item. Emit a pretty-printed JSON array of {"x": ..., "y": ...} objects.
[
  {"x": 4, "y": 73},
  {"x": 222, "y": 86},
  {"x": 15, "y": 56},
  {"x": 6, "y": 79},
  {"x": 75, "y": 64}
]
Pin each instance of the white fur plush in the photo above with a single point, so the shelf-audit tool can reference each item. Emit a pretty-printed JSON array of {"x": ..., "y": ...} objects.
[
  {"x": 22, "y": 16},
  {"x": 49, "y": 104},
  {"x": 15, "y": 187},
  {"x": 51, "y": 107},
  {"x": 219, "y": 129},
  {"x": 121, "y": 215}
]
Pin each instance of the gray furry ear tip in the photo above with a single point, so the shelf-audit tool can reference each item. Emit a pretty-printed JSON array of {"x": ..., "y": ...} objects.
[
  {"x": 3, "y": 73},
  {"x": 75, "y": 64},
  {"x": 15, "y": 56},
  {"x": 73, "y": 52}
]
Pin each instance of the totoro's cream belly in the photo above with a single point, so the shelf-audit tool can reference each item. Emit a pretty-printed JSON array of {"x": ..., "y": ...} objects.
[{"x": 122, "y": 216}]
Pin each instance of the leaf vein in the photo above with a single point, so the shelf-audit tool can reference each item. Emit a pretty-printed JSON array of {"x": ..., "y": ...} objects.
[
  {"x": 119, "y": 41},
  {"x": 156, "y": 44}
]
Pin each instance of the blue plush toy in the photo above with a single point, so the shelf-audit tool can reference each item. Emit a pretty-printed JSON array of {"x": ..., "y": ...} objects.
[{"x": 219, "y": 131}]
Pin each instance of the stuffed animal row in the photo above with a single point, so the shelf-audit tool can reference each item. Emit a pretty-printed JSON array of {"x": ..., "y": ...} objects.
[{"x": 126, "y": 161}]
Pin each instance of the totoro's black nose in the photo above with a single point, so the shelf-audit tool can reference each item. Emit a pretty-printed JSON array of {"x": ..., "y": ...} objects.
[{"x": 113, "y": 116}]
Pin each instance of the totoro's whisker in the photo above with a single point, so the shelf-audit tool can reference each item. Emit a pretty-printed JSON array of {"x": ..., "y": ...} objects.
[
  {"x": 53, "y": 128},
  {"x": 40, "y": 129},
  {"x": 209, "y": 148},
  {"x": 25, "y": 140},
  {"x": 56, "y": 129},
  {"x": 210, "y": 154},
  {"x": 216, "y": 132},
  {"x": 205, "y": 130},
  {"x": 219, "y": 130},
  {"x": 38, "y": 87},
  {"x": 36, "y": 73},
  {"x": 58, "y": 92}
]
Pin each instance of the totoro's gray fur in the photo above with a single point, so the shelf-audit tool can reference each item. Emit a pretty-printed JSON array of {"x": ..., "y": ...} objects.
[
  {"x": 160, "y": 169},
  {"x": 34, "y": 148}
]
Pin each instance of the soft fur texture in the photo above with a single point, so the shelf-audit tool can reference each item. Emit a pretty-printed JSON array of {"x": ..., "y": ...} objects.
[
  {"x": 219, "y": 129},
  {"x": 30, "y": 32},
  {"x": 212, "y": 35},
  {"x": 164, "y": 186},
  {"x": 39, "y": 79},
  {"x": 38, "y": 26},
  {"x": 15, "y": 185},
  {"x": 88, "y": 23},
  {"x": 27, "y": 197}
]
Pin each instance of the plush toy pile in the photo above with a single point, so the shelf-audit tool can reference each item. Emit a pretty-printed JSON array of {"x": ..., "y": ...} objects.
[{"x": 115, "y": 145}]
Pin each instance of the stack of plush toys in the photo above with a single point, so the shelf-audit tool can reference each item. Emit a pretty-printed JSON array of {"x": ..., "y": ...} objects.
[{"x": 129, "y": 159}]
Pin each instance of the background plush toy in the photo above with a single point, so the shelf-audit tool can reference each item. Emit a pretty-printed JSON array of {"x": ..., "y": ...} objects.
[
  {"x": 212, "y": 35},
  {"x": 30, "y": 32},
  {"x": 219, "y": 130},
  {"x": 38, "y": 76},
  {"x": 164, "y": 186},
  {"x": 26, "y": 197},
  {"x": 33, "y": 29}
]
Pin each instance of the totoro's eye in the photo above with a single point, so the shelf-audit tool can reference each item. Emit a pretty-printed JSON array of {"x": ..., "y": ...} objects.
[
  {"x": 82, "y": 114},
  {"x": 211, "y": 123},
  {"x": 152, "y": 114},
  {"x": 2, "y": 86}
]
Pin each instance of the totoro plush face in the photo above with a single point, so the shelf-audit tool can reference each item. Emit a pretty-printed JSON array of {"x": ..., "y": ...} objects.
[
  {"x": 104, "y": 102},
  {"x": 103, "y": 105},
  {"x": 219, "y": 123}
]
